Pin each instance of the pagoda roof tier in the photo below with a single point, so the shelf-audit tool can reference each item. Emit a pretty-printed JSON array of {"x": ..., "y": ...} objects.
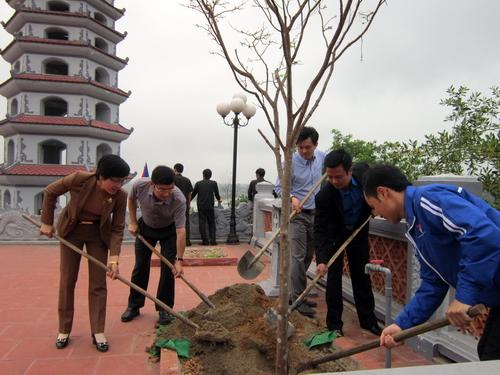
[
  {"x": 61, "y": 19},
  {"x": 52, "y": 47},
  {"x": 41, "y": 169},
  {"x": 102, "y": 5},
  {"x": 56, "y": 84},
  {"x": 69, "y": 126}
]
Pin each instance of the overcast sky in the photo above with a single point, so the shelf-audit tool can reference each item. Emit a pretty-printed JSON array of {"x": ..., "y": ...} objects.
[{"x": 387, "y": 90}]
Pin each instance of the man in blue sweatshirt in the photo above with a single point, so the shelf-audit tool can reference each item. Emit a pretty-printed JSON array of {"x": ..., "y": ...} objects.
[{"x": 456, "y": 239}]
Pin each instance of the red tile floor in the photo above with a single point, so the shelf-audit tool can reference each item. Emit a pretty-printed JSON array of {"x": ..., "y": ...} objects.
[{"x": 28, "y": 316}]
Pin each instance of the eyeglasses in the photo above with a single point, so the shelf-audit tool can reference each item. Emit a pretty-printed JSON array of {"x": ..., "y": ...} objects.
[
  {"x": 119, "y": 182},
  {"x": 160, "y": 190}
]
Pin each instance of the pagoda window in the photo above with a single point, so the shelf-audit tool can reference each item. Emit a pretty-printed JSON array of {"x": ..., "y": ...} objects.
[
  {"x": 103, "y": 149},
  {"x": 17, "y": 67},
  {"x": 52, "y": 152},
  {"x": 102, "y": 112},
  {"x": 38, "y": 203},
  {"x": 102, "y": 76},
  {"x": 99, "y": 17},
  {"x": 57, "y": 6},
  {"x": 11, "y": 148},
  {"x": 101, "y": 44},
  {"x": 13, "y": 107},
  {"x": 56, "y": 33},
  {"x": 7, "y": 199},
  {"x": 55, "y": 107},
  {"x": 57, "y": 67}
]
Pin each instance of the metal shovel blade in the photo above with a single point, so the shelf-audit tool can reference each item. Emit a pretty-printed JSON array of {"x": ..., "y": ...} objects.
[
  {"x": 249, "y": 272},
  {"x": 271, "y": 317}
]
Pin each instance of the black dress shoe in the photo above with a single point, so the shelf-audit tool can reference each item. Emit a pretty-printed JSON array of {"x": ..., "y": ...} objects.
[
  {"x": 213, "y": 243},
  {"x": 165, "y": 318},
  {"x": 100, "y": 346},
  {"x": 311, "y": 303},
  {"x": 62, "y": 343},
  {"x": 130, "y": 314},
  {"x": 338, "y": 332},
  {"x": 376, "y": 330},
  {"x": 204, "y": 244},
  {"x": 305, "y": 310}
]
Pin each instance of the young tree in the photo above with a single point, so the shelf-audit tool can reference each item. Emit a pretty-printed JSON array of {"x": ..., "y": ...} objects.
[{"x": 295, "y": 38}]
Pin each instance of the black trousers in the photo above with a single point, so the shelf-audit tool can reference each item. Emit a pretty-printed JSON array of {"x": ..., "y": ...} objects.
[
  {"x": 204, "y": 217},
  {"x": 140, "y": 275},
  {"x": 358, "y": 254},
  {"x": 488, "y": 347}
]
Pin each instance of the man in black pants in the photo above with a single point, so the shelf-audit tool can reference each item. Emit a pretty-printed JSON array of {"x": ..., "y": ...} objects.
[
  {"x": 340, "y": 210},
  {"x": 206, "y": 189},
  {"x": 163, "y": 209},
  {"x": 186, "y": 187}
]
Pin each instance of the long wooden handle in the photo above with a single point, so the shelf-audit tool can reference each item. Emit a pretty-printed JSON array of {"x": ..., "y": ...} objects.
[
  {"x": 271, "y": 240},
  {"x": 167, "y": 262},
  {"x": 306, "y": 291},
  {"x": 125, "y": 281},
  {"x": 400, "y": 336}
]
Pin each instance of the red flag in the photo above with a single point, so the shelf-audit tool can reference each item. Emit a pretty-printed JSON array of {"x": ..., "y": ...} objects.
[{"x": 145, "y": 172}]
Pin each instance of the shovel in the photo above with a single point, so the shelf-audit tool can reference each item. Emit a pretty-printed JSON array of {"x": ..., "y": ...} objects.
[
  {"x": 330, "y": 262},
  {"x": 400, "y": 336},
  {"x": 166, "y": 261},
  {"x": 249, "y": 266},
  {"x": 125, "y": 281}
]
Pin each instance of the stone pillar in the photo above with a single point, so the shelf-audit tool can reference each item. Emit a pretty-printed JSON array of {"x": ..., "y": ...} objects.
[{"x": 260, "y": 202}]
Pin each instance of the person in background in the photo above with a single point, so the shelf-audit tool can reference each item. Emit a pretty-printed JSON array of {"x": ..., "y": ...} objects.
[
  {"x": 455, "y": 237},
  {"x": 340, "y": 210},
  {"x": 163, "y": 209},
  {"x": 94, "y": 217},
  {"x": 206, "y": 189},
  {"x": 186, "y": 187},
  {"x": 307, "y": 165},
  {"x": 259, "y": 177}
]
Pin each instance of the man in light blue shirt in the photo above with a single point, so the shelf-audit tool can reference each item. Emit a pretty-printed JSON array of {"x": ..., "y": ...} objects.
[{"x": 307, "y": 166}]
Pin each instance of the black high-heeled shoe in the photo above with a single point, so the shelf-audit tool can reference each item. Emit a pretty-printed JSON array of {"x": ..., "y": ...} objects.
[
  {"x": 62, "y": 343},
  {"x": 100, "y": 346}
]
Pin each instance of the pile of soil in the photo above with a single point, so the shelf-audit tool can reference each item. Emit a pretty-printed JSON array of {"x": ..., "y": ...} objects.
[{"x": 235, "y": 338}]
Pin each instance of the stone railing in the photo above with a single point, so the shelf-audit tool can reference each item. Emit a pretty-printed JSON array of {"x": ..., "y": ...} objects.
[{"x": 14, "y": 228}]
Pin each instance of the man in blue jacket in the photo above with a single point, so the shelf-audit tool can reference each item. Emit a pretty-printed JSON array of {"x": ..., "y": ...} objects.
[{"x": 456, "y": 239}]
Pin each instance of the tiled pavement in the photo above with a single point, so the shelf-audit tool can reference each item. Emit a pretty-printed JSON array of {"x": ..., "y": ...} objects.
[{"x": 28, "y": 316}]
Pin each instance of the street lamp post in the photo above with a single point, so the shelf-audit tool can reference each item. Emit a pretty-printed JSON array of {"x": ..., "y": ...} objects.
[{"x": 238, "y": 105}]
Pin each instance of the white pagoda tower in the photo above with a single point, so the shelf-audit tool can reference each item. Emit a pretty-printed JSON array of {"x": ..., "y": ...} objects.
[{"x": 62, "y": 97}]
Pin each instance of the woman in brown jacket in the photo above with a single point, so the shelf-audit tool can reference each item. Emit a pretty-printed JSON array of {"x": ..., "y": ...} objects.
[{"x": 94, "y": 217}]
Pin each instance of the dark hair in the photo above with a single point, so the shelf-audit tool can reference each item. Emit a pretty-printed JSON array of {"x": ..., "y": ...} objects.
[
  {"x": 207, "y": 174},
  {"x": 338, "y": 157},
  {"x": 261, "y": 172},
  {"x": 111, "y": 165},
  {"x": 179, "y": 167},
  {"x": 385, "y": 175},
  {"x": 308, "y": 132},
  {"x": 163, "y": 175}
]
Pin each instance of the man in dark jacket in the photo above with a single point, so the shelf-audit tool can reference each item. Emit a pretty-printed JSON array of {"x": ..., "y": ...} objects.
[
  {"x": 205, "y": 190},
  {"x": 340, "y": 210}
]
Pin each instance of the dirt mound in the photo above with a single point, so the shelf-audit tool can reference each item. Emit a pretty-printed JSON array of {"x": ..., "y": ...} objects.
[{"x": 236, "y": 339}]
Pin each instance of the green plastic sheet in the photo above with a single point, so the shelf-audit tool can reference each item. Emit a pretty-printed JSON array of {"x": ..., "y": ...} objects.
[
  {"x": 321, "y": 338},
  {"x": 179, "y": 345}
]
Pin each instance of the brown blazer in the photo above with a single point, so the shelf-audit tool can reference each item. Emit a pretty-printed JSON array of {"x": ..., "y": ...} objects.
[{"x": 80, "y": 184}]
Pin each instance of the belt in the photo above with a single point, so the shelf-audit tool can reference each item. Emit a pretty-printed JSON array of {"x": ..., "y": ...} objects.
[
  {"x": 349, "y": 227},
  {"x": 308, "y": 211},
  {"x": 88, "y": 222}
]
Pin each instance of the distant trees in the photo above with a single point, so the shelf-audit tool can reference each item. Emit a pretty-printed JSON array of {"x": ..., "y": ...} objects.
[{"x": 471, "y": 148}]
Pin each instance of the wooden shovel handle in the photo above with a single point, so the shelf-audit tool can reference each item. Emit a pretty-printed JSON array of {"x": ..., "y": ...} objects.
[
  {"x": 167, "y": 262},
  {"x": 400, "y": 336},
  {"x": 125, "y": 281},
  {"x": 306, "y": 291}
]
